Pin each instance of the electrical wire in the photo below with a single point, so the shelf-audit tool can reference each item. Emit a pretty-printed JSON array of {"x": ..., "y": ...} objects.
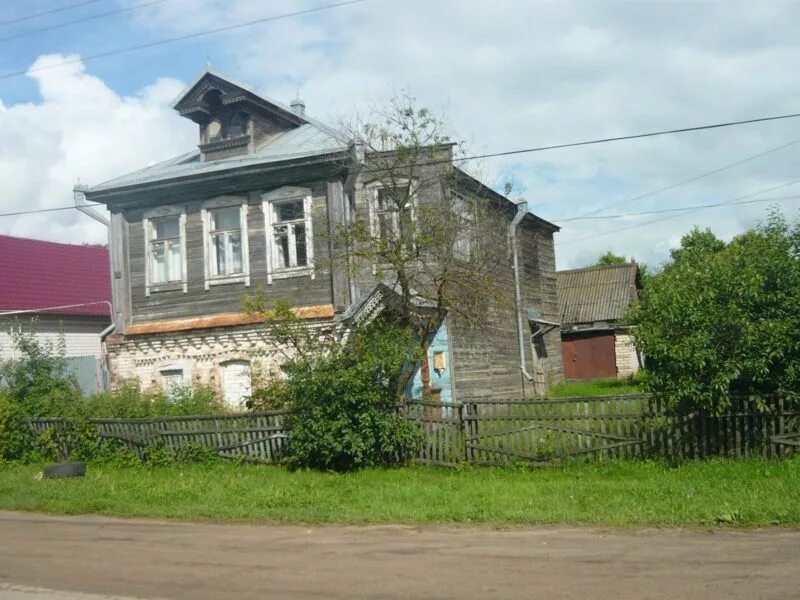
[
  {"x": 683, "y": 208},
  {"x": 684, "y": 213},
  {"x": 48, "y": 12},
  {"x": 620, "y": 138},
  {"x": 682, "y": 182},
  {"x": 81, "y": 20},
  {"x": 188, "y": 36}
]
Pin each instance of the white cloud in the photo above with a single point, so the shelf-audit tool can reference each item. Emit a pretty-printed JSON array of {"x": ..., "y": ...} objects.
[
  {"x": 80, "y": 129},
  {"x": 510, "y": 75}
]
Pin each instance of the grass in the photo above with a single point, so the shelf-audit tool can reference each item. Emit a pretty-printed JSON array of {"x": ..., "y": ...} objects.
[
  {"x": 596, "y": 387},
  {"x": 745, "y": 494}
]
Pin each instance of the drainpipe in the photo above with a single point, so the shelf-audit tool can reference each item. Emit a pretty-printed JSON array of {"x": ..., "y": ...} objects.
[
  {"x": 348, "y": 199},
  {"x": 79, "y": 196},
  {"x": 522, "y": 210}
]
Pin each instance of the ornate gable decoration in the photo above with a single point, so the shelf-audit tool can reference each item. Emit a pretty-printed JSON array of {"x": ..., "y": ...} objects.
[
  {"x": 233, "y": 120},
  {"x": 211, "y": 91}
]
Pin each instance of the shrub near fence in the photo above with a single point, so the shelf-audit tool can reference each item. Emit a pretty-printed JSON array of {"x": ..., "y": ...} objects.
[{"x": 501, "y": 431}]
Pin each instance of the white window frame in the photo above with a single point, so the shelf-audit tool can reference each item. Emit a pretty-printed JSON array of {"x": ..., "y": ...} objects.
[
  {"x": 171, "y": 369},
  {"x": 205, "y": 215},
  {"x": 374, "y": 208},
  {"x": 269, "y": 201},
  {"x": 147, "y": 219}
]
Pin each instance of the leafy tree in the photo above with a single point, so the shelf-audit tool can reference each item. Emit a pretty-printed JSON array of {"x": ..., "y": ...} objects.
[
  {"x": 343, "y": 396},
  {"x": 38, "y": 380},
  {"x": 609, "y": 258},
  {"x": 722, "y": 319},
  {"x": 697, "y": 244},
  {"x": 434, "y": 242}
]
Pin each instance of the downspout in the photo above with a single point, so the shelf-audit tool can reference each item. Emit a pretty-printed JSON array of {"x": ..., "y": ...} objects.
[
  {"x": 348, "y": 199},
  {"x": 79, "y": 196},
  {"x": 522, "y": 210}
]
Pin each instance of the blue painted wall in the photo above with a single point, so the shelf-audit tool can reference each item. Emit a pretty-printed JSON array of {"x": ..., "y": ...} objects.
[{"x": 440, "y": 381}]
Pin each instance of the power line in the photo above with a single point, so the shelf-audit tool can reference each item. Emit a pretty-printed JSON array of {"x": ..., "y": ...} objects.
[
  {"x": 81, "y": 20},
  {"x": 685, "y": 212},
  {"x": 188, "y": 36},
  {"x": 620, "y": 138},
  {"x": 681, "y": 209},
  {"x": 48, "y": 12},
  {"x": 681, "y": 182}
]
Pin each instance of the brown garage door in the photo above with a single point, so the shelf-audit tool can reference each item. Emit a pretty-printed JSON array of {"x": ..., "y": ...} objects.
[{"x": 589, "y": 355}]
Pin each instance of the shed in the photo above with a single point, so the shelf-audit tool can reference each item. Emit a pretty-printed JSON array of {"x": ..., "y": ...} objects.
[{"x": 592, "y": 303}]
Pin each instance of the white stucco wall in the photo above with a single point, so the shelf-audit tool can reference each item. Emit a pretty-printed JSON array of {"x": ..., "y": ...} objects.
[{"x": 625, "y": 351}]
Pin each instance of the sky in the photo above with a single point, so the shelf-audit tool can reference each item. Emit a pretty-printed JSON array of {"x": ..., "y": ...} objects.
[{"x": 505, "y": 74}]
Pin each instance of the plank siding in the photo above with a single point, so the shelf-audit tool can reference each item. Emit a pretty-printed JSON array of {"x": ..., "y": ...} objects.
[{"x": 173, "y": 304}]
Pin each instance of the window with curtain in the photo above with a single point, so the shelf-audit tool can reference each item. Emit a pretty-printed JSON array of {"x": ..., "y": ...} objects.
[
  {"x": 166, "y": 262},
  {"x": 225, "y": 241}
]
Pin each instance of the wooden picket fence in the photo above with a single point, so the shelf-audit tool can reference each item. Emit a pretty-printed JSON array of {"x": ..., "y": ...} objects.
[
  {"x": 498, "y": 431},
  {"x": 257, "y": 437},
  {"x": 494, "y": 432}
]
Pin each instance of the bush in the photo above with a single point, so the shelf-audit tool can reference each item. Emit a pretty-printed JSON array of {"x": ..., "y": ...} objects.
[
  {"x": 721, "y": 320},
  {"x": 39, "y": 385},
  {"x": 344, "y": 402},
  {"x": 128, "y": 402},
  {"x": 38, "y": 382},
  {"x": 17, "y": 439}
]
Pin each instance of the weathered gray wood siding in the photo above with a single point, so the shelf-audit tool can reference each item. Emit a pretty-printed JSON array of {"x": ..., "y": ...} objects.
[
  {"x": 197, "y": 301},
  {"x": 486, "y": 358}
]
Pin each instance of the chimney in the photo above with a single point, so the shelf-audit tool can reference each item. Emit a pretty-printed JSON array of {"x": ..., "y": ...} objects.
[{"x": 298, "y": 106}]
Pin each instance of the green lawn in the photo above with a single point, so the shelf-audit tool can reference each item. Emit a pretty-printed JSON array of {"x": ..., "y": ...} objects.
[
  {"x": 750, "y": 493},
  {"x": 595, "y": 387}
]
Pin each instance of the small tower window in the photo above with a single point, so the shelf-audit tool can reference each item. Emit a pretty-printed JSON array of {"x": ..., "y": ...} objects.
[
  {"x": 214, "y": 131},
  {"x": 238, "y": 125}
]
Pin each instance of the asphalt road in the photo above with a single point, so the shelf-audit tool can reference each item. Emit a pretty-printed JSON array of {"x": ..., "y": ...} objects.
[{"x": 92, "y": 558}]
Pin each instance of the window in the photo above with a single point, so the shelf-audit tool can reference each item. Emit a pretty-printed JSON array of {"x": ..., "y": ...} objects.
[
  {"x": 165, "y": 249},
  {"x": 226, "y": 244},
  {"x": 172, "y": 381},
  {"x": 214, "y": 131},
  {"x": 236, "y": 383},
  {"x": 226, "y": 241},
  {"x": 289, "y": 235},
  {"x": 393, "y": 214},
  {"x": 465, "y": 243},
  {"x": 238, "y": 125}
]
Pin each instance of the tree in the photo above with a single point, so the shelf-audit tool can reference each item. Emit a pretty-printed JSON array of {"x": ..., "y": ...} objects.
[
  {"x": 721, "y": 320},
  {"x": 342, "y": 394},
  {"x": 609, "y": 258},
  {"x": 432, "y": 240},
  {"x": 695, "y": 245}
]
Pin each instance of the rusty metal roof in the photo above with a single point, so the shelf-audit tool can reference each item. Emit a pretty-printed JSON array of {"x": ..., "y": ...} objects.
[{"x": 596, "y": 294}]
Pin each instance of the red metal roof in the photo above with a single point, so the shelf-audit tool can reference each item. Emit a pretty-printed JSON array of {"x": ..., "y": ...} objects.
[{"x": 35, "y": 274}]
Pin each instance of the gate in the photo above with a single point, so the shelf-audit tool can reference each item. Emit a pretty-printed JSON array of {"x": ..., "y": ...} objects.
[{"x": 499, "y": 431}]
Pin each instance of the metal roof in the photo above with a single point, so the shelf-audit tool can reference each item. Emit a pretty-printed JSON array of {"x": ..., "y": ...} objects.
[
  {"x": 308, "y": 140},
  {"x": 38, "y": 275},
  {"x": 596, "y": 294}
]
